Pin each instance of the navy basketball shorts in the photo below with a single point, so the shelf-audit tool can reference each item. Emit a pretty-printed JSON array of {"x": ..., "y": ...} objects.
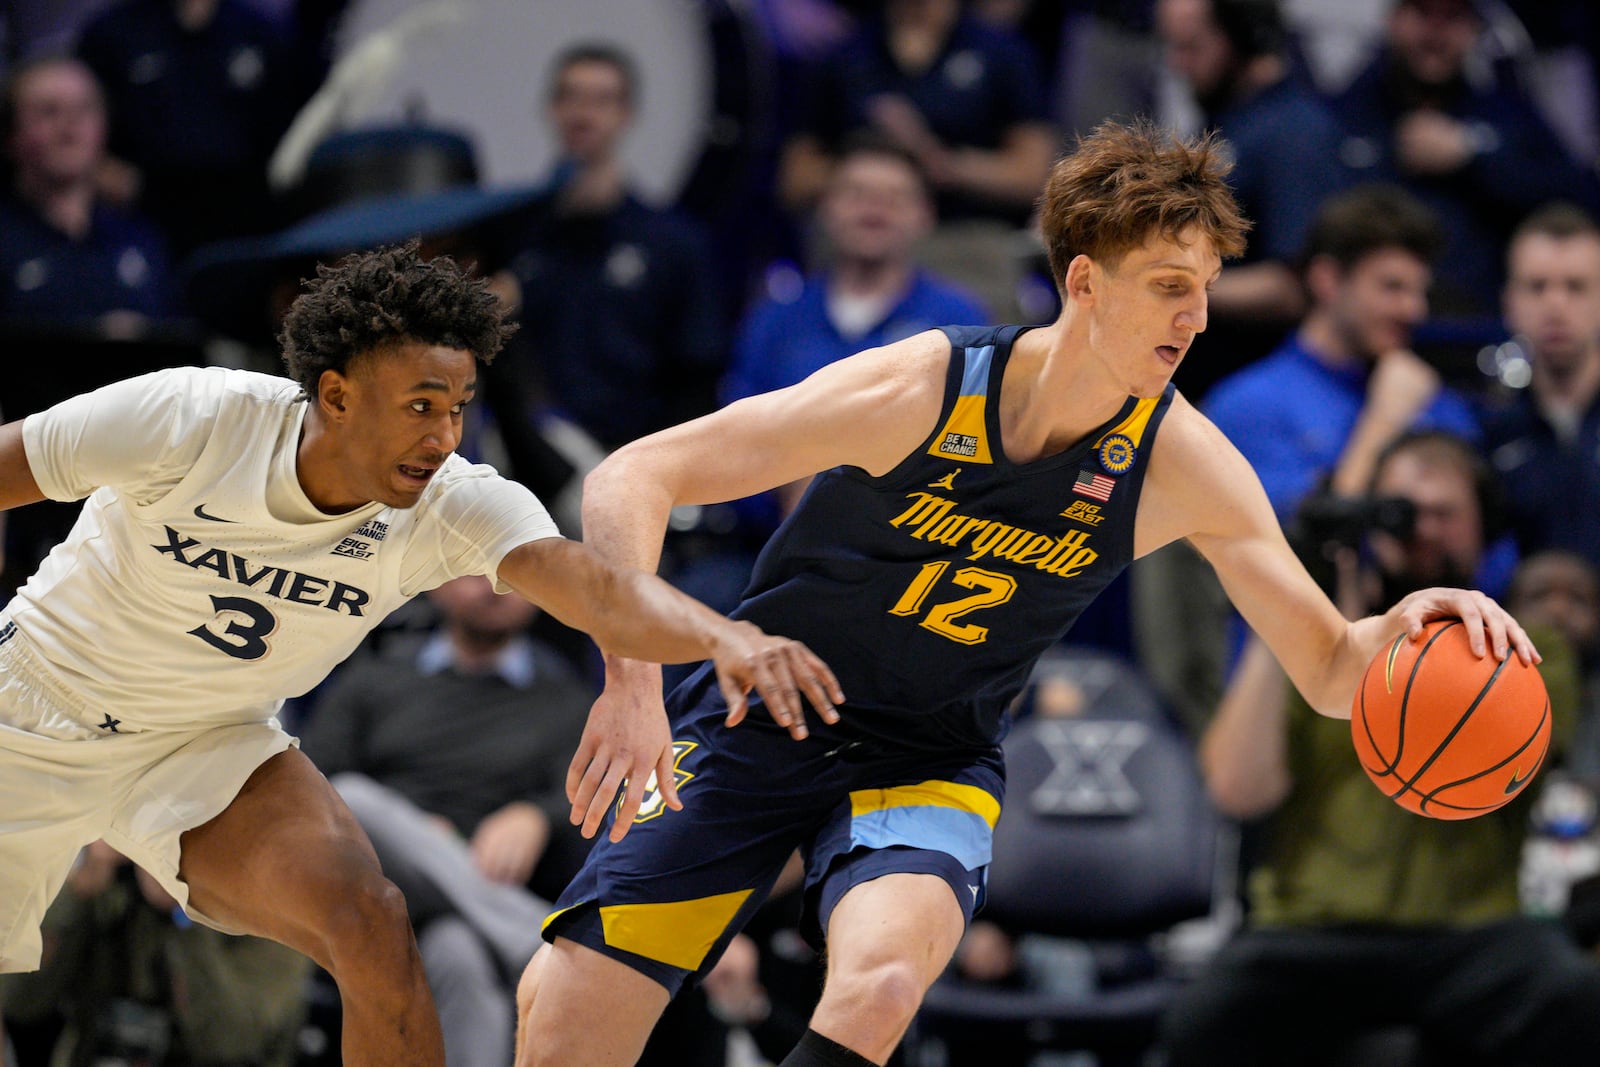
[{"x": 668, "y": 897}]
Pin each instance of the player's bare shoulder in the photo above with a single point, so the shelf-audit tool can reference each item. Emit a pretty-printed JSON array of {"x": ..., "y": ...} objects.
[
  {"x": 879, "y": 404},
  {"x": 911, "y": 370},
  {"x": 1197, "y": 480}
]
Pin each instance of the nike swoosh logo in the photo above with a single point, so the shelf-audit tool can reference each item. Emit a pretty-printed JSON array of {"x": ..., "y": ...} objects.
[
  {"x": 1517, "y": 778},
  {"x": 200, "y": 513}
]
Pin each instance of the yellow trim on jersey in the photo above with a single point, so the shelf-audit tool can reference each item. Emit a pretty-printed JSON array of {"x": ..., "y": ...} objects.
[
  {"x": 1133, "y": 426},
  {"x": 966, "y": 423},
  {"x": 678, "y": 933},
  {"x": 934, "y": 794},
  {"x": 554, "y": 915}
]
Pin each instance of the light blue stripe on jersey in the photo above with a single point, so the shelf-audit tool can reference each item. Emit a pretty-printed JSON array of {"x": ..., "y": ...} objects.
[{"x": 975, "y": 376}]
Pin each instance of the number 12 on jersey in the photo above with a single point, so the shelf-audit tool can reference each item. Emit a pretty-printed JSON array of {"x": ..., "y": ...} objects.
[{"x": 993, "y": 588}]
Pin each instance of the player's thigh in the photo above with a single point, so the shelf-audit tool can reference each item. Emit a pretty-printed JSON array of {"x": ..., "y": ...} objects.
[
  {"x": 901, "y": 918},
  {"x": 586, "y": 1007},
  {"x": 668, "y": 897},
  {"x": 281, "y": 857}
]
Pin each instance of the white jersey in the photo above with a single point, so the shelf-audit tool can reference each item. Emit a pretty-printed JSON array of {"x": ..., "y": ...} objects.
[{"x": 200, "y": 585}]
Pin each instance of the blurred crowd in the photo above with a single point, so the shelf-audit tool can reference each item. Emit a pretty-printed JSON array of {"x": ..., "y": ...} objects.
[{"x": 1408, "y": 353}]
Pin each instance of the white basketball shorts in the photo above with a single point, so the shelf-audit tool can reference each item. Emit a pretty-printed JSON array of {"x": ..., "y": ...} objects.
[{"x": 64, "y": 783}]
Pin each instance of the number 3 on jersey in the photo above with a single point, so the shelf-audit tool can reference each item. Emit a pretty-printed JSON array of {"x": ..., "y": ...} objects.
[
  {"x": 241, "y": 638},
  {"x": 995, "y": 588}
]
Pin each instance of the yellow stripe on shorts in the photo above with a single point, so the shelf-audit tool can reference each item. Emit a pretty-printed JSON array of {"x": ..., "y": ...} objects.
[
  {"x": 678, "y": 933},
  {"x": 934, "y": 794}
]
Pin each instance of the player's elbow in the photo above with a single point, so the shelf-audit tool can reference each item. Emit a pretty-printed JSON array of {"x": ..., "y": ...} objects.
[{"x": 628, "y": 477}]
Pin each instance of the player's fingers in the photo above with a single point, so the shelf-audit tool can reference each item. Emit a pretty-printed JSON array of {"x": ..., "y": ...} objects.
[
  {"x": 733, "y": 695},
  {"x": 1495, "y": 620},
  {"x": 632, "y": 797},
  {"x": 1470, "y": 614},
  {"x": 577, "y": 767},
  {"x": 588, "y": 796},
  {"x": 775, "y": 682},
  {"x": 819, "y": 685},
  {"x": 1527, "y": 651},
  {"x": 667, "y": 778},
  {"x": 603, "y": 799}
]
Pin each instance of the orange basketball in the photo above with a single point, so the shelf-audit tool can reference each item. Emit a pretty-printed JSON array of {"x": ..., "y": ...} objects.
[{"x": 1444, "y": 733}]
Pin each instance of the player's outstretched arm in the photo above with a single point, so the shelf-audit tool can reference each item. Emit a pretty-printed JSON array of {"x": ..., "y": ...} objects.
[
  {"x": 633, "y": 615},
  {"x": 1201, "y": 488},
  {"x": 869, "y": 411},
  {"x": 17, "y": 484}
]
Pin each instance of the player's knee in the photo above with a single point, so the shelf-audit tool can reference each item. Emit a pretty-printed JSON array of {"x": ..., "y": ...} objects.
[
  {"x": 888, "y": 991},
  {"x": 528, "y": 984},
  {"x": 368, "y": 924}
]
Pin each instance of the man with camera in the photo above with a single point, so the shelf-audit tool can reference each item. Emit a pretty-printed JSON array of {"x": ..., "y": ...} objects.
[{"x": 1411, "y": 925}]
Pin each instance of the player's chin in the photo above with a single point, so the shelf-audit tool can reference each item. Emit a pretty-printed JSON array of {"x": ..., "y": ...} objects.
[
  {"x": 1150, "y": 386},
  {"x": 402, "y": 495}
]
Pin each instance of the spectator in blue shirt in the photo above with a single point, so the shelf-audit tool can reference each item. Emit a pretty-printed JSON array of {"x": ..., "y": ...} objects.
[
  {"x": 1477, "y": 152},
  {"x": 963, "y": 95},
  {"x": 876, "y": 208},
  {"x": 66, "y": 257},
  {"x": 1346, "y": 382}
]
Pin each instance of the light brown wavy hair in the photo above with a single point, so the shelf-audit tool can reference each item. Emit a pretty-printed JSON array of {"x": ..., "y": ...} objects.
[{"x": 1125, "y": 183}]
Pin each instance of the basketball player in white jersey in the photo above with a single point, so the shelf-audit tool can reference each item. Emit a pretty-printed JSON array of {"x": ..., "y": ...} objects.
[{"x": 242, "y": 533}]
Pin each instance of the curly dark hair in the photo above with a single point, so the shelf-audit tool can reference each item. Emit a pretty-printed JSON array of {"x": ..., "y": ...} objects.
[{"x": 369, "y": 300}]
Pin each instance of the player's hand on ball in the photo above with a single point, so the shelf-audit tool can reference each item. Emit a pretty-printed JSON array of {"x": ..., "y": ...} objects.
[{"x": 1490, "y": 629}]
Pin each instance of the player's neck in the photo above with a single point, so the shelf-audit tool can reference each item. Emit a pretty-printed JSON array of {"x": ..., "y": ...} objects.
[
  {"x": 320, "y": 470},
  {"x": 1052, "y": 397}
]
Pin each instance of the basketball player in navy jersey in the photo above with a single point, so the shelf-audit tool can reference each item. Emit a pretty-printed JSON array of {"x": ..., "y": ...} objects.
[{"x": 978, "y": 487}]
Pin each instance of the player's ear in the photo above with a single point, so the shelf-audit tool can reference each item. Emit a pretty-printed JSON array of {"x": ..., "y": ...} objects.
[
  {"x": 333, "y": 390},
  {"x": 1082, "y": 279}
]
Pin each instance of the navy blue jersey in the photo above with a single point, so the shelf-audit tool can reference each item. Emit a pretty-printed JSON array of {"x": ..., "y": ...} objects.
[{"x": 932, "y": 590}]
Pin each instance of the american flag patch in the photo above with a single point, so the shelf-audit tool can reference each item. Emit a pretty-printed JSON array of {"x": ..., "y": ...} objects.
[{"x": 1098, "y": 486}]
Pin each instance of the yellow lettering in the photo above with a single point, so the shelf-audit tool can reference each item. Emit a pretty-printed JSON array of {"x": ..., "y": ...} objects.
[
  {"x": 927, "y": 508},
  {"x": 1036, "y": 546},
  {"x": 1064, "y": 545},
  {"x": 967, "y": 525},
  {"x": 1069, "y": 567},
  {"x": 992, "y": 539},
  {"x": 933, "y": 518}
]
